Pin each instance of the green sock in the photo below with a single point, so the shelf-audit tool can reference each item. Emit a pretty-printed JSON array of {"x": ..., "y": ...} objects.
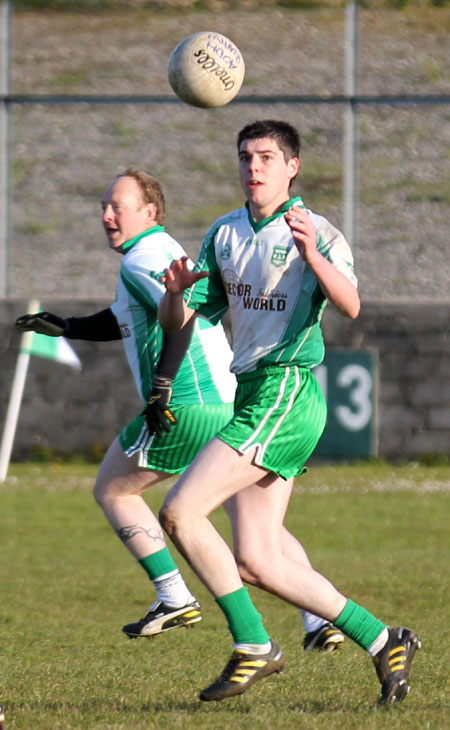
[
  {"x": 359, "y": 624},
  {"x": 158, "y": 564},
  {"x": 244, "y": 621}
]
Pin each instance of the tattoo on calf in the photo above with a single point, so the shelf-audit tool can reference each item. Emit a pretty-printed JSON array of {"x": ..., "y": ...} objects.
[{"x": 129, "y": 531}]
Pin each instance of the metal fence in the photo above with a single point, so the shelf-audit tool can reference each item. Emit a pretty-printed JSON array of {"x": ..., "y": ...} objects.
[{"x": 350, "y": 104}]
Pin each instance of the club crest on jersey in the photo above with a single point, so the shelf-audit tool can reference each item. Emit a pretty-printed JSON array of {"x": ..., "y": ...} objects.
[
  {"x": 279, "y": 255},
  {"x": 225, "y": 251}
]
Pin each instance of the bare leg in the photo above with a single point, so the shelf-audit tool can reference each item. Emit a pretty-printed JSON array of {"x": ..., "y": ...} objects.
[
  {"x": 118, "y": 489},
  {"x": 291, "y": 548},
  {"x": 217, "y": 474},
  {"x": 272, "y": 558}
]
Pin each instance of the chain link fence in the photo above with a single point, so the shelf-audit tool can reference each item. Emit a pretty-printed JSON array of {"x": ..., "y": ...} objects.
[{"x": 88, "y": 96}]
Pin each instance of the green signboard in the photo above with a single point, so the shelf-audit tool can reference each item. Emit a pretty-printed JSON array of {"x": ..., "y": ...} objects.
[{"x": 348, "y": 379}]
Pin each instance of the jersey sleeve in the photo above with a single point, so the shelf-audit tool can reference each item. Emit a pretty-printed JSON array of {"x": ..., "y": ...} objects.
[
  {"x": 332, "y": 244},
  {"x": 208, "y": 295},
  {"x": 143, "y": 283}
]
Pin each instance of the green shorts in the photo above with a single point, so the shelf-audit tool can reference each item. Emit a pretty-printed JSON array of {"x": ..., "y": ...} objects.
[
  {"x": 174, "y": 451},
  {"x": 282, "y": 412}
]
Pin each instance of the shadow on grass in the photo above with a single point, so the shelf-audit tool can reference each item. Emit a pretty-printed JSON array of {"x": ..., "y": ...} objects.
[
  {"x": 235, "y": 705},
  {"x": 316, "y": 707}
]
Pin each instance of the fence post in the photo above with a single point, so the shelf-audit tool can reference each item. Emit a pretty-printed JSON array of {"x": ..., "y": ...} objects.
[
  {"x": 351, "y": 136},
  {"x": 5, "y": 16}
]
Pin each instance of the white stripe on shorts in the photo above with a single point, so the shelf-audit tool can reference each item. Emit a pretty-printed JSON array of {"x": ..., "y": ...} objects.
[
  {"x": 278, "y": 424},
  {"x": 261, "y": 448},
  {"x": 142, "y": 446}
]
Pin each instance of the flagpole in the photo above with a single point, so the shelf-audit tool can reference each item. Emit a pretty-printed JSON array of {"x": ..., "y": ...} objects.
[{"x": 15, "y": 398}]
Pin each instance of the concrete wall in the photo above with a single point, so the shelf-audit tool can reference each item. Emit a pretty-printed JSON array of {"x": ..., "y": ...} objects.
[
  {"x": 413, "y": 345},
  {"x": 65, "y": 410}
]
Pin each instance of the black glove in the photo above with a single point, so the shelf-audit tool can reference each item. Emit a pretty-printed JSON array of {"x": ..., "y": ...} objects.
[
  {"x": 44, "y": 323},
  {"x": 157, "y": 414}
]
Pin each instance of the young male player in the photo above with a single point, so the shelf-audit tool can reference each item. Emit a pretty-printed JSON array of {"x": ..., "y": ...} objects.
[
  {"x": 272, "y": 264},
  {"x": 196, "y": 381}
]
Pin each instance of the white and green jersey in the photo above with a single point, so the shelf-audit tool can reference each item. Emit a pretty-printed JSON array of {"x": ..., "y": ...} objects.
[
  {"x": 204, "y": 376},
  {"x": 274, "y": 298}
]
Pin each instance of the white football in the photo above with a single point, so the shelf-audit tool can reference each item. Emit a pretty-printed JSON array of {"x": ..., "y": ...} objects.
[{"x": 206, "y": 69}]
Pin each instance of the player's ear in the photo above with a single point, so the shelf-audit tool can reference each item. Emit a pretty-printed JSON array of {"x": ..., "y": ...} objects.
[
  {"x": 293, "y": 167},
  {"x": 151, "y": 212}
]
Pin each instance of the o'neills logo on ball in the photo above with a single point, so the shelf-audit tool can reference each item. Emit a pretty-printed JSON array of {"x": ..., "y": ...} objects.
[
  {"x": 210, "y": 64},
  {"x": 206, "y": 69}
]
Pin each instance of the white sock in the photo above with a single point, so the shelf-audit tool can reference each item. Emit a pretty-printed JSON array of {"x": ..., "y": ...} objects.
[
  {"x": 254, "y": 648},
  {"x": 172, "y": 590},
  {"x": 311, "y": 622},
  {"x": 378, "y": 643}
]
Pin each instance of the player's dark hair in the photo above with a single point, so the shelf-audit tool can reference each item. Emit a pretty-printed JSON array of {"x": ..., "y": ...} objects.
[
  {"x": 286, "y": 136},
  {"x": 151, "y": 191}
]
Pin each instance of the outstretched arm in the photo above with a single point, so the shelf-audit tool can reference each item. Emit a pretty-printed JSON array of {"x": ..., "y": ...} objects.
[
  {"x": 173, "y": 313},
  {"x": 337, "y": 288},
  {"x": 99, "y": 327}
]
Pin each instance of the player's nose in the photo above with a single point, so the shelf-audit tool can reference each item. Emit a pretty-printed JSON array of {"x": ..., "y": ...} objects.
[
  {"x": 253, "y": 163},
  {"x": 107, "y": 213}
]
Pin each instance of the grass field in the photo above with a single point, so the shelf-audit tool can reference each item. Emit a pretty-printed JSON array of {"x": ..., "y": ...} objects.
[{"x": 381, "y": 533}]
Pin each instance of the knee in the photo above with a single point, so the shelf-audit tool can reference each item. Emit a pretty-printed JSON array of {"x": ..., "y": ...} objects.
[
  {"x": 247, "y": 576},
  {"x": 252, "y": 569},
  {"x": 102, "y": 492},
  {"x": 169, "y": 519}
]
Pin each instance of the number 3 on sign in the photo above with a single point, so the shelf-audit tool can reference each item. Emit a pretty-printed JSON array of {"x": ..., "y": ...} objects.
[
  {"x": 356, "y": 418},
  {"x": 359, "y": 380}
]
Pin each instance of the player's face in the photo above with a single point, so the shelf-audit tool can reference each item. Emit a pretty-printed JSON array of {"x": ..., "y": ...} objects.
[
  {"x": 124, "y": 215},
  {"x": 265, "y": 175}
]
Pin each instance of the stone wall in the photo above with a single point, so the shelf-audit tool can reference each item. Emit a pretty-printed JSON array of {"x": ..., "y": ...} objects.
[
  {"x": 63, "y": 410},
  {"x": 413, "y": 345}
]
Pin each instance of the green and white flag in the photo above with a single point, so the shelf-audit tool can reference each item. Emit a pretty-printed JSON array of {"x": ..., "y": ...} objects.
[
  {"x": 53, "y": 348},
  {"x": 31, "y": 343}
]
